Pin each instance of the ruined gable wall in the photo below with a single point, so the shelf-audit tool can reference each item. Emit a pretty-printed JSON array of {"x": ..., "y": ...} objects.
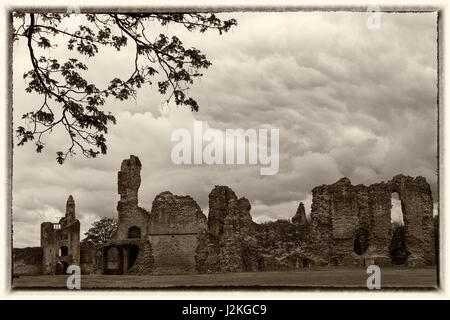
[{"x": 174, "y": 227}]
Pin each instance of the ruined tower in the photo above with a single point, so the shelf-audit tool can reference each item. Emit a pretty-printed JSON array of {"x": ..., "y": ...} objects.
[
  {"x": 130, "y": 214},
  {"x": 70, "y": 208},
  {"x": 60, "y": 242},
  {"x": 128, "y": 252}
]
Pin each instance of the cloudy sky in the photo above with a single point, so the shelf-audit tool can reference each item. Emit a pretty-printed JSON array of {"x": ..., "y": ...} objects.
[{"x": 348, "y": 101}]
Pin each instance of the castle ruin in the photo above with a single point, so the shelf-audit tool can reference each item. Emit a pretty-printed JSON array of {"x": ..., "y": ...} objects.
[
  {"x": 348, "y": 226},
  {"x": 60, "y": 242}
]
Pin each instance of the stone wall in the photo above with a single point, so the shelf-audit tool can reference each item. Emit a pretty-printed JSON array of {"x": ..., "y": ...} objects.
[
  {"x": 228, "y": 246},
  {"x": 27, "y": 261},
  {"x": 87, "y": 259},
  {"x": 174, "y": 226},
  {"x": 234, "y": 243},
  {"x": 351, "y": 225},
  {"x": 130, "y": 214}
]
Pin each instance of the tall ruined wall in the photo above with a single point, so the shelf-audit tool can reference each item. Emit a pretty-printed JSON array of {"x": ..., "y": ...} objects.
[
  {"x": 228, "y": 245},
  {"x": 130, "y": 214},
  {"x": 351, "y": 225},
  {"x": 338, "y": 212},
  {"x": 173, "y": 230},
  {"x": 417, "y": 206}
]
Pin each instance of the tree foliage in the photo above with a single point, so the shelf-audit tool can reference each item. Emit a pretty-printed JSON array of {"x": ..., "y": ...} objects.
[
  {"x": 100, "y": 232},
  {"x": 72, "y": 102}
]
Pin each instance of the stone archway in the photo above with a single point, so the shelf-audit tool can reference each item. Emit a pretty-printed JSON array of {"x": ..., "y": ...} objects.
[{"x": 113, "y": 260}]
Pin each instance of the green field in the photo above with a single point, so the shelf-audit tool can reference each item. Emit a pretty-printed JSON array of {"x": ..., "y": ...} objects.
[{"x": 330, "y": 277}]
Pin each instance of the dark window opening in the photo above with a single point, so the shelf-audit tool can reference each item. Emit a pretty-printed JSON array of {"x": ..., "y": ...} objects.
[
  {"x": 397, "y": 248},
  {"x": 134, "y": 233},
  {"x": 133, "y": 254},
  {"x": 63, "y": 251}
]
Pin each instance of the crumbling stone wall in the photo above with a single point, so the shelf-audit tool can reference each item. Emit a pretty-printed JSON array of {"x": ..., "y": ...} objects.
[
  {"x": 234, "y": 243},
  {"x": 87, "y": 258},
  {"x": 131, "y": 236},
  {"x": 229, "y": 246},
  {"x": 173, "y": 230},
  {"x": 349, "y": 225},
  {"x": 345, "y": 217},
  {"x": 27, "y": 261},
  {"x": 417, "y": 207},
  {"x": 130, "y": 214}
]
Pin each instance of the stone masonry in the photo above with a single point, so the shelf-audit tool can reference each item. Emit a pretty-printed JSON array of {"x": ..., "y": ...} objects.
[
  {"x": 349, "y": 225},
  {"x": 61, "y": 242}
]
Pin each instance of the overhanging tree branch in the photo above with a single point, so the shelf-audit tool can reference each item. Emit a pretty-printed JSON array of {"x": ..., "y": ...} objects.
[{"x": 74, "y": 104}]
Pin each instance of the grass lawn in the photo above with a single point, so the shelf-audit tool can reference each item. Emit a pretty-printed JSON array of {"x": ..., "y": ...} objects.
[{"x": 328, "y": 277}]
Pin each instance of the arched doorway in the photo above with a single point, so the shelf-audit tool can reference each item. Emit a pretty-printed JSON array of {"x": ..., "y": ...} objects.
[
  {"x": 132, "y": 255},
  {"x": 113, "y": 260},
  {"x": 134, "y": 233}
]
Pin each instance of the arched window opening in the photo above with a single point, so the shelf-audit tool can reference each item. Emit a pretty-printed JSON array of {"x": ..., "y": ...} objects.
[
  {"x": 397, "y": 248},
  {"x": 63, "y": 251},
  {"x": 134, "y": 233},
  {"x": 396, "y": 210}
]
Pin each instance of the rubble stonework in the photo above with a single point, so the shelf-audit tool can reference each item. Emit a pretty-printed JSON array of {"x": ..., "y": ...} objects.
[
  {"x": 349, "y": 225},
  {"x": 228, "y": 246},
  {"x": 173, "y": 230},
  {"x": 60, "y": 242}
]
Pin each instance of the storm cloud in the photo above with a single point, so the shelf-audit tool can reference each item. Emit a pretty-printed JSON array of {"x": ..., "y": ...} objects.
[{"x": 348, "y": 101}]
